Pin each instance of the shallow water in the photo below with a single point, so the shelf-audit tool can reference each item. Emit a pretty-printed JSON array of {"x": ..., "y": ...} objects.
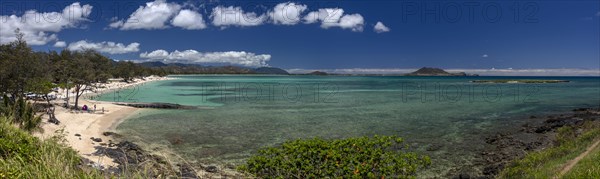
[{"x": 245, "y": 113}]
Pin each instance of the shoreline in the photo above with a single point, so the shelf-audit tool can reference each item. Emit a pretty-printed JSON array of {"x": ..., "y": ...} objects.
[
  {"x": 488, "y": 163},
  {"x": 536, "y": 134},
  {"x": 84, "y": 132}
]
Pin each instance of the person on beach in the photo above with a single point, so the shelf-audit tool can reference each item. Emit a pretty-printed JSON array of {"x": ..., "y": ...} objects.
[{"x": 94, "y": 108}]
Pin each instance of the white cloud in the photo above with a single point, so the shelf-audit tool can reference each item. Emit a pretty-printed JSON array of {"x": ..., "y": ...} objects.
[
  {"x": 484, "y": 72},
  {"x": 189, "y": 19},
  {"x": 484, "y": 56},
  {"x": 335, "y": 17},
  {"x": 380, "y": 28},
  {"x": 287, "y": 13},
  {"x": 158, "y": 14},
  {"x": 154, "y": 15},
  {"x": 105, "y": 47},
  {"x": 193, "y": 56},
  {"x": 327, "y": 15},
  {"x": 39, "y": 28},
  {"x": 60, "y": 44},
  {"x": 235, "y": 16}
]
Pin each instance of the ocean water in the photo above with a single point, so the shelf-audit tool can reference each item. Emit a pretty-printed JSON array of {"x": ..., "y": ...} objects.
[{"x": 239, "y": 114}]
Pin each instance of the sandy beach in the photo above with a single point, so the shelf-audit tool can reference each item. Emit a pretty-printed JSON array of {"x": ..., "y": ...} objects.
[{"x": 79, "y": 127}]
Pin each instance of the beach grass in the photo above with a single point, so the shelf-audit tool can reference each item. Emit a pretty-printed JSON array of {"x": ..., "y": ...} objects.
[
  {"x": 588, "y": 167},
  {"x": 24, "y": 156},
  {"x": 548, "y": 163}
]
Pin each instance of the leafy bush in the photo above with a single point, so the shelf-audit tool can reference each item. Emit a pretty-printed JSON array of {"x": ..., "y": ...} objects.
[
  {"x": 14, "y": 142},
  {"x": 363, "y": 157}
]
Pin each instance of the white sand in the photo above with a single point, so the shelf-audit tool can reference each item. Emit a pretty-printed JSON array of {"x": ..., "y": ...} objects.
[{"x": 91, "y": 124}]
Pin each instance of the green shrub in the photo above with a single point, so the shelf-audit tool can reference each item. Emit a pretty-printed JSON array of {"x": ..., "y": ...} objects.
[
  {"x": 15, "y": 142},
  {"x": 363, "y": 157}
]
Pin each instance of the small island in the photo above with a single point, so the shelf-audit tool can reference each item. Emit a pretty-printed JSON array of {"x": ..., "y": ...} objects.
[
  {"x": 427, "y": 71},
  {"x": 320, "y": 73},
  {"x": 519, "y": 81}
]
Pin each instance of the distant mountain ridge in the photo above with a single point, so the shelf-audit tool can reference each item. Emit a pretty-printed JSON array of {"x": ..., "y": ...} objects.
[
  {"x": 270, "y": 70},
  {"x": 181, "y": 68}
]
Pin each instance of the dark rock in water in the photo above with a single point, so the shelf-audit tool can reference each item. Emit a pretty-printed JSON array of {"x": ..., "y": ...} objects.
[
  {"x": 113, "y": 134},
  {"x": 532, "y": 117},
  {"x": 186, "y": 171},
  {"x": 434, "y": 147},
  {"x": 107, "y": 133},
  {"x": 130, "y": 155},
  {"x": 538, "y": 133},
  {"x": 211, "y": 169},
  {"x": 156, "y": 105},
  {"x": 463, "y": 176},
  {"x": 580, "y": 109},
  {"x": 176, "y": 141},
  {"x": 96, "y": 139},
  {"x": 230, "y": 166}
]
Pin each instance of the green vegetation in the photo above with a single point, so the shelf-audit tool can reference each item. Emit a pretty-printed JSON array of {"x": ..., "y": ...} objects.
[
  {"x": 25, "y": 156},
  {"x": 547, "y": 163},
  {"x": 20, "y": 113},
  {"x": 519, "y": 81},
  {"x": 23, "y": 71},
  {"x": 363, "y": 157},
  {"x": 588, "y": 167}
]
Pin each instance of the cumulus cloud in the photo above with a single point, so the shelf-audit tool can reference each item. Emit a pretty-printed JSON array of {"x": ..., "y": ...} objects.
[
  {"x": 60, "y": 44},
  {"x": 105, "y": 47},
  {"x": 484, "y": 72},
  {"x": 380, "y": 28},
  {"x": 154, "y": 15},
  {"x": 189, "y": 19},
  {"x": 40, "y": 28},
  {"x": 287, "y": 13},
  {"x": 484, "y": 56},
  {"x": 335, "y": 17},
  {"x": 158, "y": 14},
  {"x": 235, "y": 16},
  {"x": 192, "y": 56}
]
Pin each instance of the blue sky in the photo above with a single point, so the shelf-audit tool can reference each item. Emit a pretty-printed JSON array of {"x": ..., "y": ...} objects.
[{"x": 545, "y": 34}]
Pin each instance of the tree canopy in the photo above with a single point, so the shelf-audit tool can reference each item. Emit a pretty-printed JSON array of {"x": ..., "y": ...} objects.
[{"x": 23, "y": 70}]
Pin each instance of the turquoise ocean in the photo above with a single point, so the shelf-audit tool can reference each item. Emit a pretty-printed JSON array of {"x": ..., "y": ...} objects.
[{"x": 239, "y": 114}]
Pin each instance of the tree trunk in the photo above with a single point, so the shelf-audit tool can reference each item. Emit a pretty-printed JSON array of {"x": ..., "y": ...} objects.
[
  {"x": 47, "y": 100},
  {"x": 67, "y": 95},
  {"x": 79, "y": 88}
]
